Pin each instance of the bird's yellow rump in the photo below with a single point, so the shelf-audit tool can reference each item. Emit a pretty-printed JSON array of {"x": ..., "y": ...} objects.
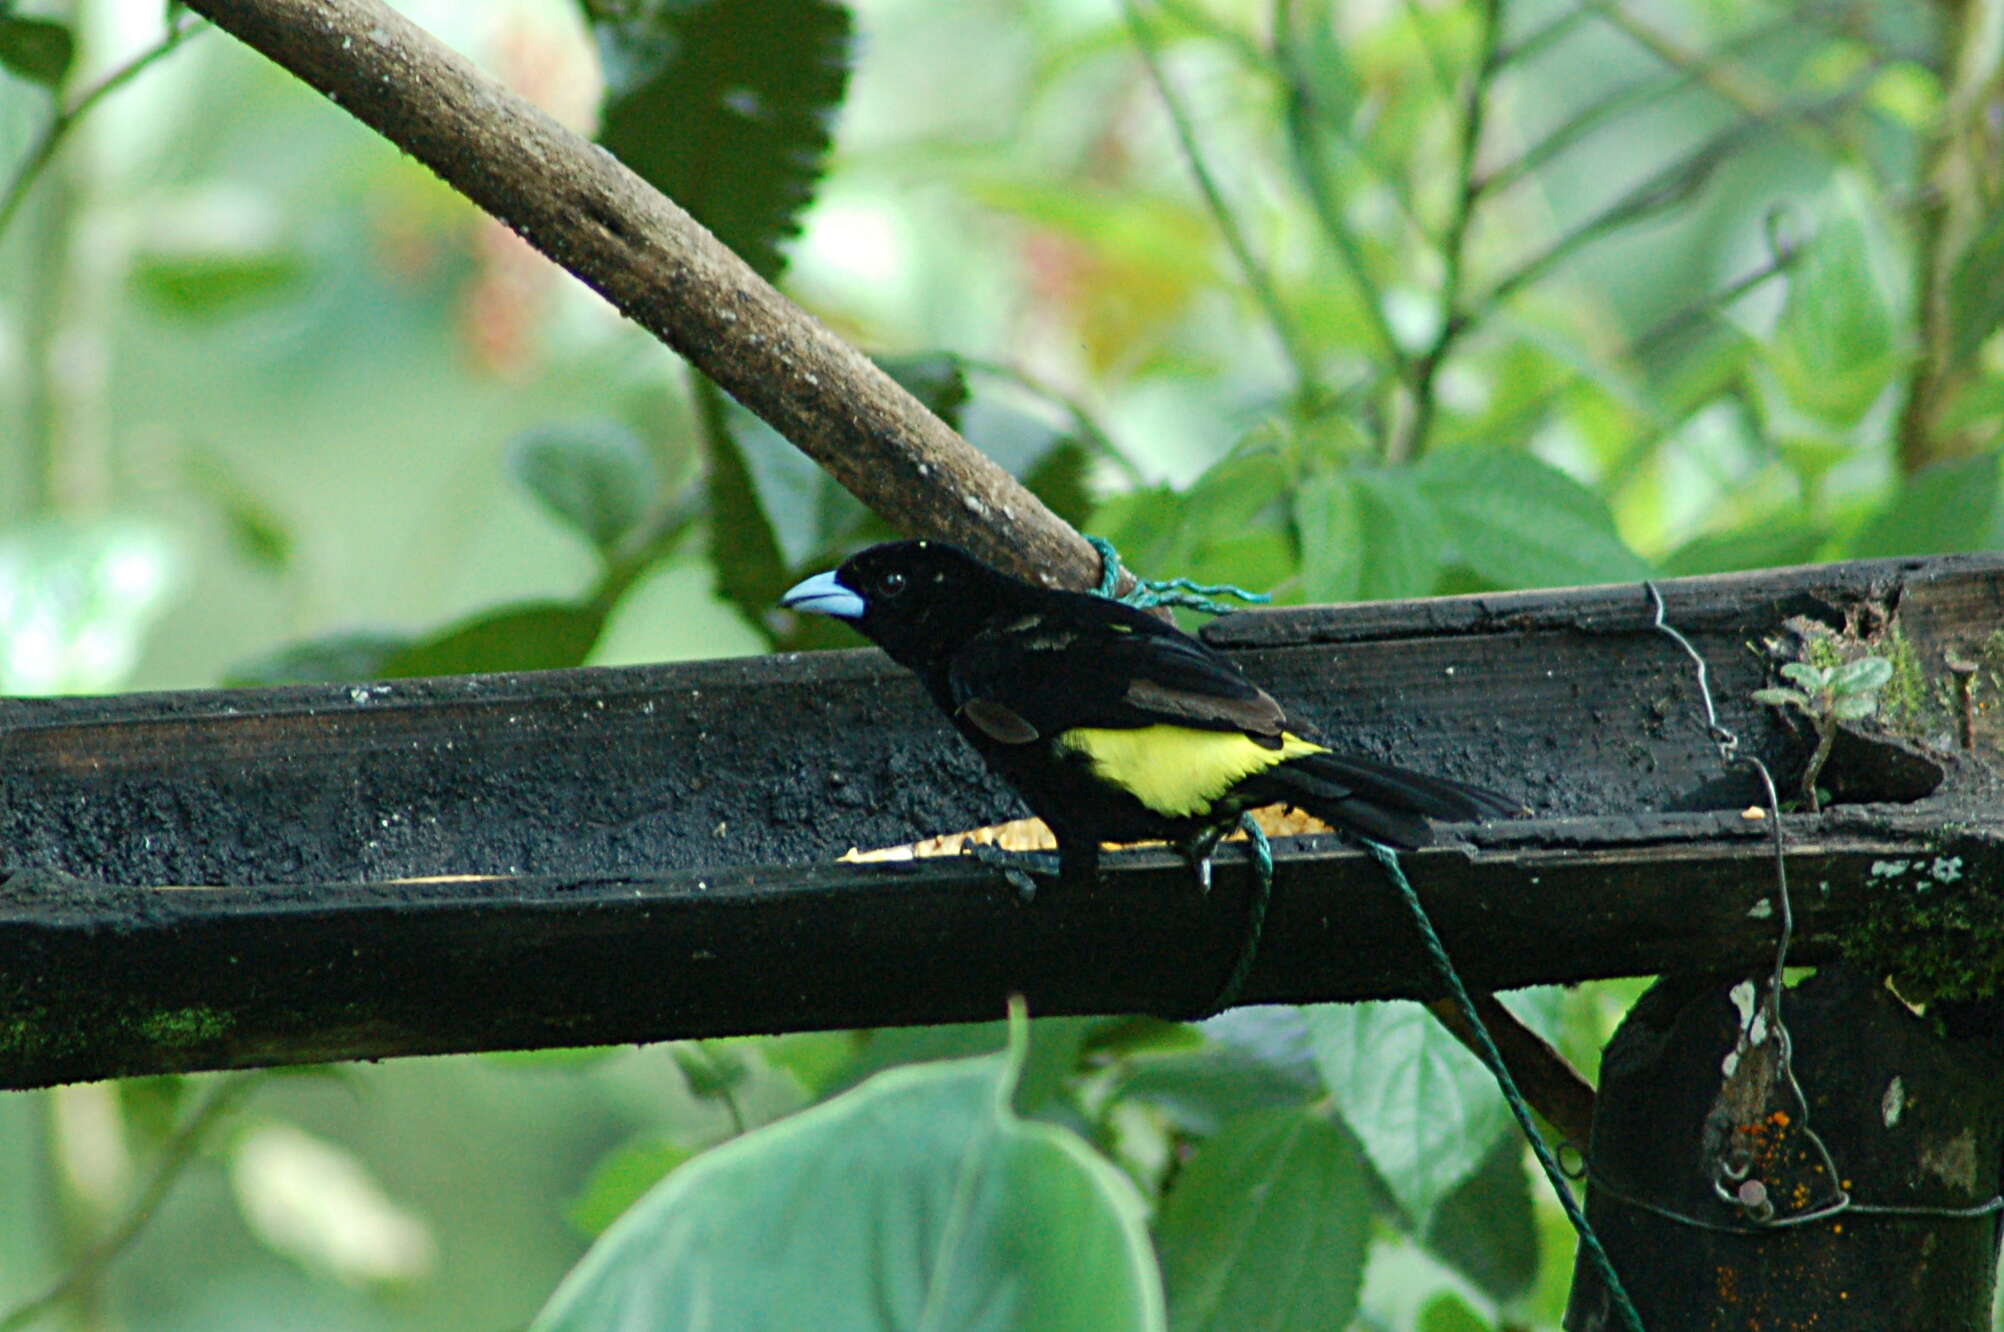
[{"x": 1178, "y": 771}]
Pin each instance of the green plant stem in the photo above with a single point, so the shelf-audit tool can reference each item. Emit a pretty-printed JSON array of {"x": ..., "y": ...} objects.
[
  {"x": 1737, "y": 86},
  {"x": 1826, "y": 739},
  {"x": 1094, "y": 436},
  {"x": 1631, "y": 97},
  {"x": 1258, "y": 280},
  {"x": 1668, "y": 326},
  {"x": 65, "y": 119},
  {"x": 655, "y": 538},
  {"x": 1962, "y": 194},
  {"x": 175, "y": 1155},
  {"x": 1321, "y": 190},
  {"x": 1454, "y": 243},
  {"x": 1669, "y": 186},
  {"x": 1535, "y": 41},
  {"x": 1443, "y": 72}
]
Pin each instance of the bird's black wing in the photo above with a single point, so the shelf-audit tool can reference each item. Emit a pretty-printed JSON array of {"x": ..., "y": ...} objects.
[{"x": 1078, "y": 661}]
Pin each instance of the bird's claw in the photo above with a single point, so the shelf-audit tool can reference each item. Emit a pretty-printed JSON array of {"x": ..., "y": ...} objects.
[{"x": 1016, "y": 867}]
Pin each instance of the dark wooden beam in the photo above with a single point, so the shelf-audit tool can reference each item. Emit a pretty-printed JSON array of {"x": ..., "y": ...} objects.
[{"x": 644, "y": 853}]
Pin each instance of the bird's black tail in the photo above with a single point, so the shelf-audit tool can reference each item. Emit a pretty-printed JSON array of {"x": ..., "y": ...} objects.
[{"x": 1377, "y": 800}]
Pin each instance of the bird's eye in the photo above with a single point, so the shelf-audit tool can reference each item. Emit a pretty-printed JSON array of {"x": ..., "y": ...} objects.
[{"x": 891, "y": 583}]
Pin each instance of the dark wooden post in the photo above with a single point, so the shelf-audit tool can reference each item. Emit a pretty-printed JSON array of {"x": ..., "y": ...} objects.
[{"x": 1695, "y": 1101}]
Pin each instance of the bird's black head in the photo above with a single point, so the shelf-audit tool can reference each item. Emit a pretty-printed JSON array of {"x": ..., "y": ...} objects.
[{"x": 920, "y": 601}]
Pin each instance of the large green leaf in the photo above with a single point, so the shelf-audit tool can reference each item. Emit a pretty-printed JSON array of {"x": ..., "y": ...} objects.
[
  {"x": 1253, "y": 1058},
  {"x": 1267, "y": 1227},
  {"x": 1052, "y": 1054},
  {"x": 1976, "y": 292},
  {"x": 36, "y": 49},
  {"x": 1485, "y": 1229},
  {"x": 1517, "y": 521},
  {"x": 916, "y": 1201},
  {"x": 724, "y": 105},
  {"x": 1425, "y": 1109},
  {"x": 528, "y": 636},
  {"x": 744, "y": 529},
  {"x": 594, "y": 476},
  {"x": 346, "y": 655},
  {"x": 1779, "y": 540},
  {"x": 1366, "y": 533},
  {"x": 1948, "y": 507},
  {"x": 217, "y": 279},
  {"x": 1837, "y": 346}
]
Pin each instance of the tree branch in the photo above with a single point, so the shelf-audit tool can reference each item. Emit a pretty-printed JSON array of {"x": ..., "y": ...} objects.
[{"x": 578, "y": 205}]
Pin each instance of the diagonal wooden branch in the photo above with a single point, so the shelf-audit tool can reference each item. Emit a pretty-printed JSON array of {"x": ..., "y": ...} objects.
[{"x": 578, "y": 205}]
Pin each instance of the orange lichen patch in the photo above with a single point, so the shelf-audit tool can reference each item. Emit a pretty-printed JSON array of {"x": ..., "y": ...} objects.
[{"x": 1032, "y": 835}]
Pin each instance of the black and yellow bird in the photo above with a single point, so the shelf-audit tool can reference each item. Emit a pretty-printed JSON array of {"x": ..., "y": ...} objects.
[{"x": 1114, "y": 725}]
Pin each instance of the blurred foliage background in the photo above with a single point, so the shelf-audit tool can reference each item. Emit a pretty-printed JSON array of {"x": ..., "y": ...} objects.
[{"x": 1339, "y": 300}]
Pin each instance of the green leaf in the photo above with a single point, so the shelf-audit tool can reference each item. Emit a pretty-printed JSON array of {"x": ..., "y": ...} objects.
[
  {"x": 1402, "y": 535},
  {"x": 1052, "y": 1056},
  {"x": 1448, "y": 1312},
  {"x": 1062, "y": 480},
  {"x": 1944, "y": 508},
  {"x": 528, "y": 636},
  {"x": 1517, "y": 521},
  {"x": 216, "y": 281},
  {"x": 621, "y": 1177},
  {"x": 36, "y": 49},
  {"x": 1772, "y": 542},
  {"x": 1855, "y": 707},
  {"x": 744, "y": 543},
  {"x": 1366, "y": 533},
  {"x": 712, "y": 1070},
  {"x": 724, "y": 106},
  {"x": 1486, "y": 1229},
  {"x": 595, "y": 476},
  {"x": 1328, "y": 520},
  {"x": 1813, "y": 679},
  {"x": 1976, "y": 293},
  {"x": 937, "y": 379},
  {"x": 1232, "y": 496},
  {"x": 1836, "y": 347},
  {"x": 1781, "y": 698},
  {"x": 1267, "y": 1227},
  {"x": 1426, "y": 1111},
  {"x": 1253, "y": 1058},
  {"x": 352, "y": 655},
  {"x": 1861, "y": 676},
  {"x": 918, "y": 1200}
]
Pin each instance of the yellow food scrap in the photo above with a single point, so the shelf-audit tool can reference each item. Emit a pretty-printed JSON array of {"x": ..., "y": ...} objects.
[{"x": 1032, "y": 835}]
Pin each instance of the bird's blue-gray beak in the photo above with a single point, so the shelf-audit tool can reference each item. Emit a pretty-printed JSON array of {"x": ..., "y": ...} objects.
[{"x": 824, "y": 595}]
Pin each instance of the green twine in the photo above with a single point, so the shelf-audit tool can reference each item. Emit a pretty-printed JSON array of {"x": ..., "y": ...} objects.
[
  {"x": 1262, "y": 898},
  {"x": 1486, "y": 1048},
  {"x": 1148, "y": 593},
  {"x": 1151, "y": 592}
]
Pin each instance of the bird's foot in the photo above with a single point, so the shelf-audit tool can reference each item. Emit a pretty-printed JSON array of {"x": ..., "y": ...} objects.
[{"x": 1018, "y": 867}]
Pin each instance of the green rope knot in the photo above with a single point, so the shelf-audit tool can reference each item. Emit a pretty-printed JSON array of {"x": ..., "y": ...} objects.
[{"x": 1151, "y": 592}]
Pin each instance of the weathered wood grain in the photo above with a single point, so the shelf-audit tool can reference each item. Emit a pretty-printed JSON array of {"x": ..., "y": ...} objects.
[{"x": 649, "y": 846}]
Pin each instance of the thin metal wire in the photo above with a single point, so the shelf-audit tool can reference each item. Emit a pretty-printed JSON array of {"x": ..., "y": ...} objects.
[{"x": 1761, "y": 1214}]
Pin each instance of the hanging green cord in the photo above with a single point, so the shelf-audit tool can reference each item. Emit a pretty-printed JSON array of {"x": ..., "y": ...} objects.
[
  {"x": 1437, "y": 951},
  {"x": 1148, "y": 593},
  {"x": 1262, "y": 898}
]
